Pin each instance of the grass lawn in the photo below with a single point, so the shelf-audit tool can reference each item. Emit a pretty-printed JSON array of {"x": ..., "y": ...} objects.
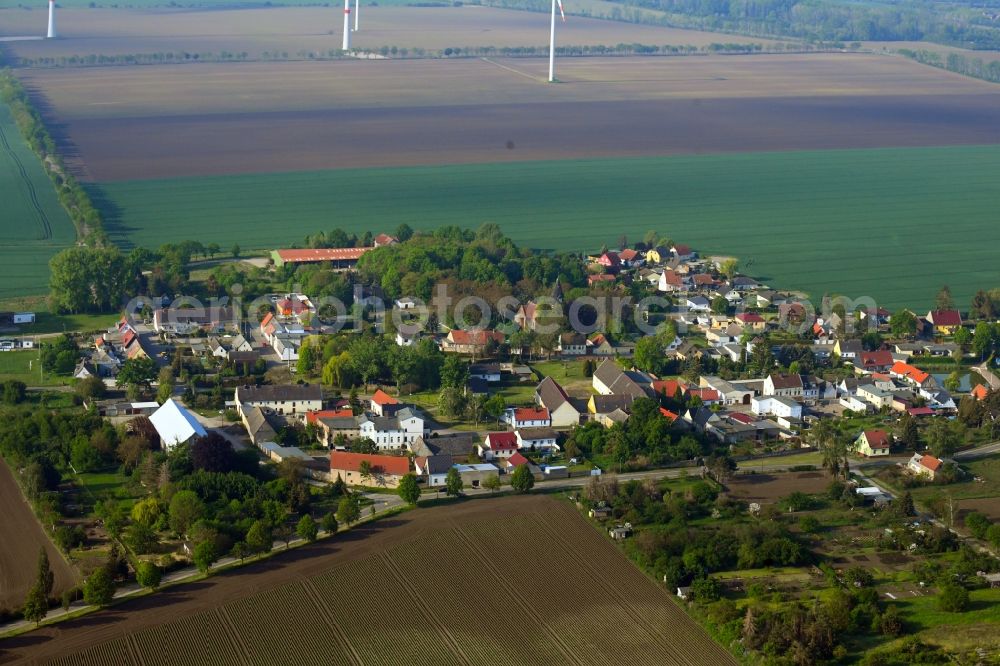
[
  {"x": 99, "y": 486},
  {"x": 46, "y": 322},
  {"x": 730, "y": 204},
  {"x": 23, "y": 366},
  {"x": 922, "y": 613},
  {"x": 987, "y": 469}
]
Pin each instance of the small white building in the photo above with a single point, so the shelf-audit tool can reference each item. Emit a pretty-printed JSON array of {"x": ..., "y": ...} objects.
[{"x": 775, "y": 405}]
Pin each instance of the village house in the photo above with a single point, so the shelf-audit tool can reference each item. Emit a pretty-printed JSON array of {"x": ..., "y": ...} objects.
[
  {"x": 528, "y": 417},
  {"x": 873, "y": 443},
  {"x": 752, "y": 320},
  {"x": 488, "y": 372},
  {"x": 537, "y": 439},
  {"x": 610, "y": 379},
  {"x": 433, "y": 469},
  {"x": 944, "y": 322},
  {"x": 184, "y": 321},
  {"x": 875, "y": 396},
  {"x": 924, "y": 465},
  {"x": 848, "y": 350},
  {"x": 911, "y": 374},
  {"x": 392, "y": 432},
  {"x": 563, "y": 412},
  {"x": 876, "y": 361},
  {"x": 471, "y": 343},
  {"x": 789, "y": 386},
  {"x": 383, "y": 404},
  {"x": 572, "y": 344},
  {"x": 382, "y": 471},
  {"x": 283, "y": 399},
  {"x": 526, "y": 316},
  {"x": 383, "y": 240},
  {"x": 728, "y": 393},
  {"x": 600, "y": 407},
  {"x": 498, "y": 445}
]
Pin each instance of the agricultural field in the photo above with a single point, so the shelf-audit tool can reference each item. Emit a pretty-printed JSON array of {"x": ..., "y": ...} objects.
[
  {"x": 319, "y": 616},
  {"x": 33, "y": 226},
  {"x": 769, "y": 488},
  {"x": 734, "y": 204},
  {"x": 298, "y": 31},
  {"x": 224, "y": 150},
  {"x": 19, "y": 555}
]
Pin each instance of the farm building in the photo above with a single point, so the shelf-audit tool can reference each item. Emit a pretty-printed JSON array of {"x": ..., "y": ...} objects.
[
  {"x": 384, "y": 471},
  {"x": 537, "y": 439},
  {"x": 338, "y": 257},
  {"x": 552, "y": 397},
  {"x": 528, "y": 417},
  {"x": 474, "y": 476},
  {"x": 175, "y": 424}
]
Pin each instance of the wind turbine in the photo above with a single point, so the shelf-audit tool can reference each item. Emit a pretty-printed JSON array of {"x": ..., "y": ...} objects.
[
  {"x": 357, "y": 13},
  {"x": 552, "y": 39},
  {"x": 347, "y": 25}
]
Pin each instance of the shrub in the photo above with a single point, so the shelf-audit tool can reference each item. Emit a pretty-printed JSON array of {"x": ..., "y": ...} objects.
[{"x": 953, "y": 598}]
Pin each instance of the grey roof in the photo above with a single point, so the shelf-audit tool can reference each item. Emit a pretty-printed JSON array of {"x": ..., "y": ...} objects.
[
  {"x": 258, "y": 427},
  {"x": 537, "y": 433},
  {"x": 605, "y": 404},
  {"x": 607, "y": 372},
  {"x": 438, "y": 464},
  {"x": 550, "y": 394},
  {"x": 281, "y": 393},
  {"x": 408, "y": 412},
  {"x": 459, "y": 445}
]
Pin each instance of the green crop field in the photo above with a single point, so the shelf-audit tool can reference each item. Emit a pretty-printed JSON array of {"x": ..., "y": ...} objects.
[
  {"x": 33, "y": 225},
  {"x": 894, "y": 224}
]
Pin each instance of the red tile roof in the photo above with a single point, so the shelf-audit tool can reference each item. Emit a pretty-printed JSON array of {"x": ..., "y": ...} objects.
[
  {"x": 384, "y": 239},
  {"x": 910, "y": 372},
  {"x": 742, "y": 418},
  {"x": 682, "y": 250},
  {"x": 315, "y": 415},
  {"x": 877, "y": 439},
  {"x": 980, "y": 392},
  {"x": 945, "y": 318},
  {"x": 351, "y": 462},
  {"x": 628, "y": 254},
  {"x": 920, "y": 411},
  {"x": 706, "y": 394},
  {"x": 610, "y": 259},
  {"x": 502, "y": 441},
  {"x": 876, "y": 358},
  {"x": 475, "y": 337},
  {"x": 931, "y": 463},
  {"x": 602, "y": 277},
  {"x": 668, "y": 387},
  {"x": 749, "y": 318},
  {"x": 322, "y": 254},
  {"x": 666, "y": 413},
  {"x": 531, "y": 414},
  {"x": 383, "y": 398},
  {"x": 517, "y": 460}
]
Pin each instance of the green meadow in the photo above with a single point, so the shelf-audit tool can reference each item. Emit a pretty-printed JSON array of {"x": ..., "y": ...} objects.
[
  {"x": 894, "y": 224},
  {"x": 33, "y": 225}
]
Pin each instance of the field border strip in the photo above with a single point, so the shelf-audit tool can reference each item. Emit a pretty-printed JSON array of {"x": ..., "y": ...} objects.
[
  {"x": 234, "y": 635},
  {"x": 317, "y": 599},
  {"x": 428, "y": 614},
  {"x": 614, "y": 592},
  {"x": 528, "y": 611}
]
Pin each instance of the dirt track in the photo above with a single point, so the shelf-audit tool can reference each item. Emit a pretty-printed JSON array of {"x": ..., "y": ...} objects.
[
  {"x": 608, "y": 585},
  {"x": 21, "y": 539}
]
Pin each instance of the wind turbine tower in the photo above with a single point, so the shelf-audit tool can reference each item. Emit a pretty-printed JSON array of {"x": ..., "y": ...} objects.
[
  {"x": 357, "y": 13},
  {"x": 552, "y": 39},
  {"x": 347, "y": 25},
  {"x": 51, "y": 34}
]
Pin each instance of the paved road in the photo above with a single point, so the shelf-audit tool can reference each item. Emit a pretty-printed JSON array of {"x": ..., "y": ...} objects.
[{"x": 978, "y": 452}]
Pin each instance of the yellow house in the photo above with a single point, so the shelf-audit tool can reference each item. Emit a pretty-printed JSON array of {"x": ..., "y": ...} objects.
[
  {"x": 872, "y": 443},
  {"x": 945, "y": 322}
]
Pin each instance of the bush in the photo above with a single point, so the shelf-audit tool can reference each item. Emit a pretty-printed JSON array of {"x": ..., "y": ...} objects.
[
  {"x": 953, "y": 598},
  {"x": 978, "y": 524}
]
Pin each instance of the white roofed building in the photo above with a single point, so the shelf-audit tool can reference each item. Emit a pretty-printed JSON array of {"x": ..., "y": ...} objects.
[{"x": 175, "y": 424}]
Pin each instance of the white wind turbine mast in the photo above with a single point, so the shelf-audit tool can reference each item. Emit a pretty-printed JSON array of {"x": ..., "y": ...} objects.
[
  {"x": 347, "y": 25},
  {"x": 552, "y": 39},
  {"x": 357, "y": 13}
]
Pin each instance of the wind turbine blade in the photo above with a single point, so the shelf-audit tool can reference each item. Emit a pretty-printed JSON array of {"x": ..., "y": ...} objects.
[{"x": 561, "y": 12}]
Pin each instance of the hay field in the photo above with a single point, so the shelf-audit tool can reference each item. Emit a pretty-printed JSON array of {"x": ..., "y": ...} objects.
[
  {"x": 436, "y": 586},
  {"x": 33, "y": 225},
  {"x": 894, "y": 224},
  {"x": 319, "y": 29}
]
